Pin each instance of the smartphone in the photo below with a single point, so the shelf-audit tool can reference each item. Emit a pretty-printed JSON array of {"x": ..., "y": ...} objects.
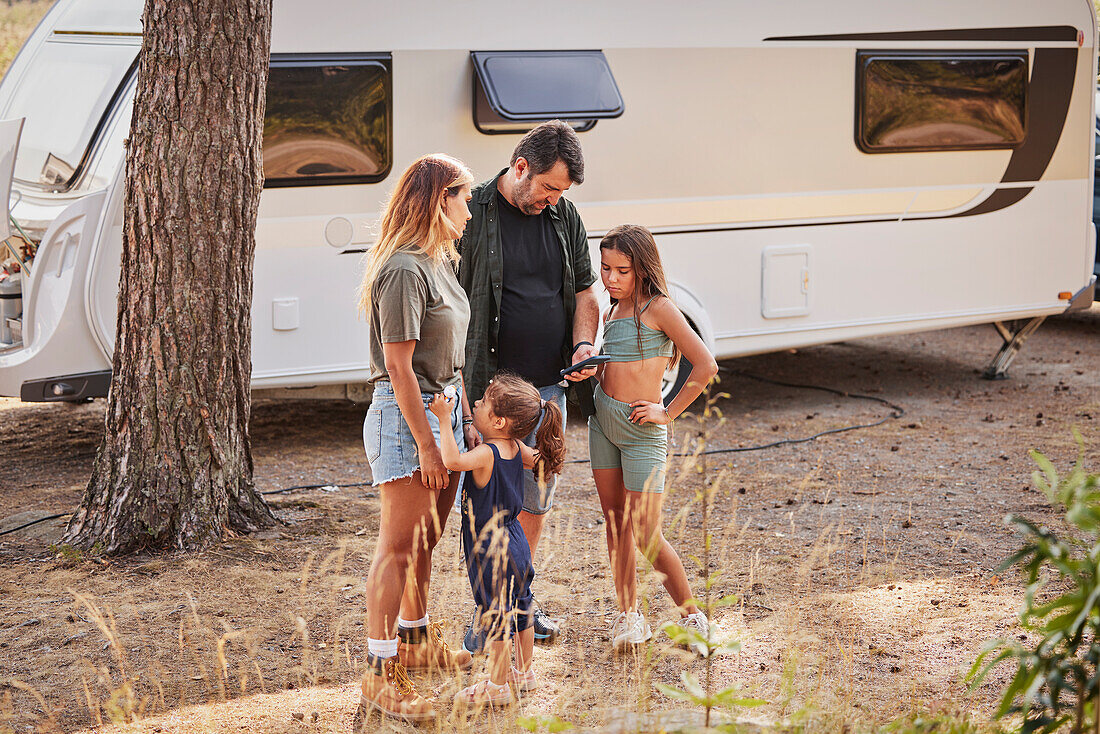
[{"x": 586, "y": 363}]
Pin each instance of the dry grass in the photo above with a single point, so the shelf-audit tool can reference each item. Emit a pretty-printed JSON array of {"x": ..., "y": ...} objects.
[
  {"x": 862, "y": 562},
  {"x": 266, "y": 634},
  {"x": 17, "y": 19},
  {"x": 862, "y": 571}
]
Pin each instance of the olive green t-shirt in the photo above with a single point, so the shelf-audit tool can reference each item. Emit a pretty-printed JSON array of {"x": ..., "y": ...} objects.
[{"x": 417, "y": 297}]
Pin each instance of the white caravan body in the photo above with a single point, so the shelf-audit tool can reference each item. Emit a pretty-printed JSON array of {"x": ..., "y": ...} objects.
[{"x": 789, "y": 160}]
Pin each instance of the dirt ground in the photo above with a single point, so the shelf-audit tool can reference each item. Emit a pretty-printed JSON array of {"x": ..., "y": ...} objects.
[{"x": 862, "y": 560}]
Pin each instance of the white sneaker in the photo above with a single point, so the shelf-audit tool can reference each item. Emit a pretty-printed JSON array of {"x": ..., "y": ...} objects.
[
  {"x": 628, "y": 629},
  {"x": 697, "y": 622}
]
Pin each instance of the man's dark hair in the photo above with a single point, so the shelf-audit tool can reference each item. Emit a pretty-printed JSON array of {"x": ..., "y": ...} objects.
[{"x": 549, "y": 143}]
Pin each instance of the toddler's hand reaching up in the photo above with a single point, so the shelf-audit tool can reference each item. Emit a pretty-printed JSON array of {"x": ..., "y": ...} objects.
[{"x": 441, "y": 405}]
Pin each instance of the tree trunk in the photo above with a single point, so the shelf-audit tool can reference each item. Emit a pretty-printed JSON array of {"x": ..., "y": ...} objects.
[{"x": 175, "y": 466}]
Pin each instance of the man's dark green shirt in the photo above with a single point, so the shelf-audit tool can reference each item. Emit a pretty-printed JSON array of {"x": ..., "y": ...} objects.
[{"x": 482, "y": 267}]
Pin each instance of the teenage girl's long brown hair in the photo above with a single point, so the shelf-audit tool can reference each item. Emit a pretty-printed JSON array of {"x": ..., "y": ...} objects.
[
  {"x": 517, "y": 400},
  {"x": 414, "y": 217},
  {"x": 637, "y": 243}
]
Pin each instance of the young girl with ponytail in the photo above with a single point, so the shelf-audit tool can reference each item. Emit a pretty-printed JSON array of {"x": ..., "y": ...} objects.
[{"x": 498, "y": 557}]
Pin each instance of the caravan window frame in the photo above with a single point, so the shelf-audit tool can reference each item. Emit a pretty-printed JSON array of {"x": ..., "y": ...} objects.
[
  {"x": 383, "y": 61},
  {"x": 113, "y": 101},
  {"x": 865, "y": 58},
  {"x": 491, "y": 116}
]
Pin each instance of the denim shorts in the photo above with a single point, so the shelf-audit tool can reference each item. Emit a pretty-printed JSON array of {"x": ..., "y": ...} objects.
[
  {"x": 538, "y": 500},
  {"x": 639, "y": 449},
  {"x": 390, "y": 446}
]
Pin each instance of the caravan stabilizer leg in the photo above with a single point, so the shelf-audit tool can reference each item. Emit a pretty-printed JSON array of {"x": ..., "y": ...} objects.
[{"x": 1014, "y": 334}]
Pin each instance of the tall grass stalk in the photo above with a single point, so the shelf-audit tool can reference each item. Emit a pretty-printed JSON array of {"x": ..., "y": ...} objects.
[{"x": 709, "y": 645}]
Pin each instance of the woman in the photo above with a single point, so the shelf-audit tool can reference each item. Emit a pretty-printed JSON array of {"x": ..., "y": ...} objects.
[{"x": 418, "y": 317}]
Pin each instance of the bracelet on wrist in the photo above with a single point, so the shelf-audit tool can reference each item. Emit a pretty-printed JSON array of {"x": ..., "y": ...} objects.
[
  {"x": 467, "y": 421},
  {"x": 579, "y": 344}
]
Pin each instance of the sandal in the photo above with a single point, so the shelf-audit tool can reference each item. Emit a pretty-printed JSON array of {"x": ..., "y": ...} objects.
[
  {"x": 522, "y": 680},
  {"x": 485, "y": 693}
]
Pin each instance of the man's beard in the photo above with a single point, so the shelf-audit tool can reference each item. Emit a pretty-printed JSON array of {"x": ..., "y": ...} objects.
[{"x": 525, "y": 200}]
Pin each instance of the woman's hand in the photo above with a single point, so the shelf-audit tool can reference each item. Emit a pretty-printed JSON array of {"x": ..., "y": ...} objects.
[
  {"x": 473, "y": 438},
  {"x": 647, "y": 412},
  {"x": 442, "y": 407},
  {"x": 432, "y": 470}
]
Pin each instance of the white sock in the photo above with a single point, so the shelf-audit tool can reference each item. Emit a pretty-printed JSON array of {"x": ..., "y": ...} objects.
[
  {"x": 382, "y": 648},
  {"x": 415, "y": 624}
]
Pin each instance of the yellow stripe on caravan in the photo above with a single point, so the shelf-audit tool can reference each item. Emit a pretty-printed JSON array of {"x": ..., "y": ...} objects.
[
  {"x": 927, "y": 202},
  {"x": 277, "y": 232},
  {"x": 680, "y": 213}
]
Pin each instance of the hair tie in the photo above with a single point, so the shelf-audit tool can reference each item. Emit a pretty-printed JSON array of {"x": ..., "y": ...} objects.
[{"x": 543, "y": 403}]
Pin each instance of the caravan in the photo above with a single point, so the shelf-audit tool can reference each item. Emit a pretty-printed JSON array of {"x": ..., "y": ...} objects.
[{"x": 812, "y": 173}]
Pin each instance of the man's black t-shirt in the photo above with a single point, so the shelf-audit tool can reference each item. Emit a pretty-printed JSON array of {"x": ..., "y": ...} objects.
[{"x": 533, "y": 326}]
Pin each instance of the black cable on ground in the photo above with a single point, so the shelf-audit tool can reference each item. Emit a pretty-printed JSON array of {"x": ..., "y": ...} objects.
[
  {"x": 35, "y": 522},
  {"x": 896, "y": 411},
  {"x": 316, "y": 486}
]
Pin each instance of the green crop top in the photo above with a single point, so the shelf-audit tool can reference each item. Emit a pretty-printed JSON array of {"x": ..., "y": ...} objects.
[{"x": 621, "y": 338}]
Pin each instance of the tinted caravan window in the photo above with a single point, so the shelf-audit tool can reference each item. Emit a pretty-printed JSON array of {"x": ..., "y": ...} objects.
[
  {"x": 516, "y": 90},
  {"x": 328, "y": 121},
  {"x": 938, "y": 101}
]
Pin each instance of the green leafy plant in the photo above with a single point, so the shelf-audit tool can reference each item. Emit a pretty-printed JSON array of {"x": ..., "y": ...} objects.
[
  {"x": 708, "y": 644},
  {"x": 1056, "y": 681}
]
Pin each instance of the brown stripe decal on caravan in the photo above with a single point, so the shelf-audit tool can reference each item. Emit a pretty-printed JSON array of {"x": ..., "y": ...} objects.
[
  {"x": 1031, "y": 34},
  {"x": 999, "y": 199},
  {"x": 1050, "y": 92}
]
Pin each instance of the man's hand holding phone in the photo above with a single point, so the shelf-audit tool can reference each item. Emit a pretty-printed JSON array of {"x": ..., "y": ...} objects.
[{"x": 585, "y": 362}]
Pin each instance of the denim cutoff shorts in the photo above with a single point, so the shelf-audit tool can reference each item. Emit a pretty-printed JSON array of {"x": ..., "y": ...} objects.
[
  {"x": 640, "y": 450},
  {"x": 390, "y": 446},
  {"x": 538, "y": 500}
]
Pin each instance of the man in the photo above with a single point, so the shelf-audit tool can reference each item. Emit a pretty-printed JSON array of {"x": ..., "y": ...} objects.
[{"x": 528, "y": 274}]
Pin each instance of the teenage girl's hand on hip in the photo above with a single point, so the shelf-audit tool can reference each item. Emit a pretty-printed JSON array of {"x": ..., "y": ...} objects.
[
  {"x": 647, "y": 412},
  {"x": 432, "y": 471},
  {"x": 442, "y": 407}
]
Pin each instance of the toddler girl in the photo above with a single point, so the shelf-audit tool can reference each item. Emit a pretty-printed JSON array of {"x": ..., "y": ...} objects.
[{"x": 497, "y": 555}]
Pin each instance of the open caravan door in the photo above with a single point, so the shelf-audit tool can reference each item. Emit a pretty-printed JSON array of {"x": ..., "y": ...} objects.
[
  {"x": 10, "y": 130},
  {"x": 48, "y": 353},
  {"x": 11, "y": 288}
]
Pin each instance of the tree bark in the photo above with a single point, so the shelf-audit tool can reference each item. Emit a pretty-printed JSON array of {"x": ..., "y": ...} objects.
[{"x": 175, "y": 466}]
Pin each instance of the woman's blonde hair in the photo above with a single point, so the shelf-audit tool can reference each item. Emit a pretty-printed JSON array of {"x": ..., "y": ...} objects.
[{"x": 414, "y": 218}]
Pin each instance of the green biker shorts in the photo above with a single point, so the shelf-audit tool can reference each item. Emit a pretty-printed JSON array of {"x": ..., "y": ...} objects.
[{"x": 640, "y": 450}]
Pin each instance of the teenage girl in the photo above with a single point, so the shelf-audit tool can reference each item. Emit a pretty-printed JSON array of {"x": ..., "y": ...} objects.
[
  {"x": 644, "y": 334},
  {"x": 498, "y": 557}
]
